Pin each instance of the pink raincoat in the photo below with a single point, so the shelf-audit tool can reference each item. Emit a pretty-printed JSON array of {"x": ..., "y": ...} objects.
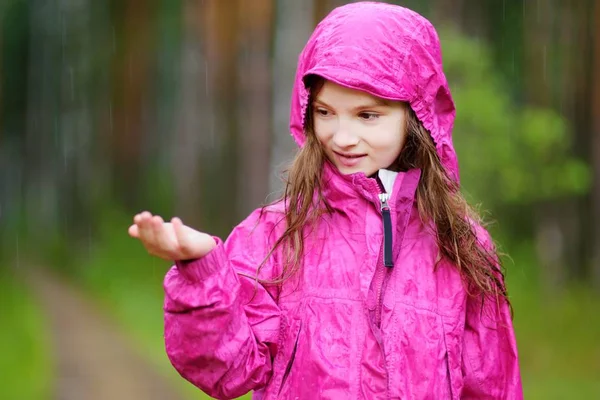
[{"x": 368, "y": 316}]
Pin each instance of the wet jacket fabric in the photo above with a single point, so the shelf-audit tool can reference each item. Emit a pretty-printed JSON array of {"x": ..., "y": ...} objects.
[{"x": 347, "y": 326}]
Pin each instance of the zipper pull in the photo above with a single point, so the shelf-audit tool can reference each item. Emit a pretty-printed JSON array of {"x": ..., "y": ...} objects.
[{"x": 387, "y": 230}]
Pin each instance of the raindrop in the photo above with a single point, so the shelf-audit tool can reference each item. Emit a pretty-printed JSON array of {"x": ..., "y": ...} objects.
[
  {"x": 545, "y": 61},
  {"x": 206, "y": 77},
  {"x": 72, "y": 81},
  {"x": 561, "y": 104},
  {"x": 63, "y": 36},
  {"x": 513, "y": 62},
  {"x": 56, "y": 131},
  {"x": 130, "y": 67},
  {"x": 114, "y": 39},
  {"x": 212, "y": 133},
  {"x": 110, "y": 116},
  {"x": 18, "y": 252},
  {"x": 90, "y": 242}
]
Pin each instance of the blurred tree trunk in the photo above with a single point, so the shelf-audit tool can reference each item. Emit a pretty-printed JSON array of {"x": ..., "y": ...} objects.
[
  {"x": 293, "y": 26},
  {"x": 220, "y": 166},
  {"x": 3, "y": 45},
  {"x": 164, "y": 119},
  {"x": 101, "y": 50},
  {"x": 444, "y": 11},
  {"x": 595, "y": 101},
  {"x": 42, "y": 137},
  {"x": 188, "y": 144},
  {"x": 538, "y": 29},
  {"x": 563, "y": 49},
  {"x": 254, "y": 103},
  {"x": 14, "y": 64},
  {"x": 324, "y": 7},
  {"x": 131, "y": 84},
  {"x": 5, "y": 192},
  {"x": 551, "y": 235},
  {"x": 75, "y": 116},
  {"x": 573, "y": 103}
]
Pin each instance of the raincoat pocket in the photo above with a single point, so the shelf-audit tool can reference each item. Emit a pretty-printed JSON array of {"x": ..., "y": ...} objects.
[
  {"x": 453, "y": 357},
  {"x": 417, "y": 355},
  {"x": 284, "y": 360}
]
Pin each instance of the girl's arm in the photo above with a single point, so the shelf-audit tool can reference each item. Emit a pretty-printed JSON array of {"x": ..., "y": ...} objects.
[
  {"x": 490, "y": 362},
  {"x": 221, "y": 328}
]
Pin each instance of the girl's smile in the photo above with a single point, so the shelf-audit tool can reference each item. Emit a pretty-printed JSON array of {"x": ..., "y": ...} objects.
[{"x": 348, "y": 160}]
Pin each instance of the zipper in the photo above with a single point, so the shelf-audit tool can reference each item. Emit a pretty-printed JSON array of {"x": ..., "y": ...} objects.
[
  {"x": 387, "y": 230},
  {"x": 386, "y": 254}
]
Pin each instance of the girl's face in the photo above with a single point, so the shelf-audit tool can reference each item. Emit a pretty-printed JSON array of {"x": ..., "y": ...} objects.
[{"x": 359, "y": 132}]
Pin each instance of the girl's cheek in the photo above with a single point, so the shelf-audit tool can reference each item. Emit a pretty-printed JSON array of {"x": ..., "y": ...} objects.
[
  {"x": 321, "y": 140},
  {"x": 323, "y": 130}
]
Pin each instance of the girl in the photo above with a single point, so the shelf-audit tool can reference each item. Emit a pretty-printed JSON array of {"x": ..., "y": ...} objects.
[{"x": 371, "y": 278}]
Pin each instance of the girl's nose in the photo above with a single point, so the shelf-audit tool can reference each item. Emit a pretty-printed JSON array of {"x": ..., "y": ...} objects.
[{"x": 344, "y": 137}]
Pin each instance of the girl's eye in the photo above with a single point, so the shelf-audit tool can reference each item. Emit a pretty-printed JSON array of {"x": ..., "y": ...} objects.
[
  {"x": 322, "y": 112},
  {"x": 368, "y": 116}
]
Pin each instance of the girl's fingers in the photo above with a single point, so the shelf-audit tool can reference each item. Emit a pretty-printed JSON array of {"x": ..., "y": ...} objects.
[
  {"x": 134, "y": 231},
  {"x": 144, "y": 215},
  {"x": 146, "y": 233},
  {"x": 182, "y": 239},
  {"x": 164, "y": 244},
  {"x": 177, "y": 227}
]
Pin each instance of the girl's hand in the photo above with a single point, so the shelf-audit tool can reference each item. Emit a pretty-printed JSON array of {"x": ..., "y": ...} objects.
[{"x": 170, "y": 241}]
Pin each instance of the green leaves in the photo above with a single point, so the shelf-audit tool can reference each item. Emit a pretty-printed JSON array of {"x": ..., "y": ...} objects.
[{"x": 509, "y": 153}]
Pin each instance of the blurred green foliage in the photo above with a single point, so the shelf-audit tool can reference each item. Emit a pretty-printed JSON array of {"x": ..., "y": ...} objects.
[
  {"x": 513, "y": 157},
  {"x": 510, "y": 154},
  {"x": 25, "y": 345}
]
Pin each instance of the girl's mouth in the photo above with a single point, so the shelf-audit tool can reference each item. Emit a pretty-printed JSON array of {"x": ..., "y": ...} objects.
[{"x": 349, "y": 160}]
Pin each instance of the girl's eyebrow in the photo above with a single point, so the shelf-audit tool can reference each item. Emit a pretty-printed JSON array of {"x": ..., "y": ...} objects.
[{"x": 376, "y": 102}]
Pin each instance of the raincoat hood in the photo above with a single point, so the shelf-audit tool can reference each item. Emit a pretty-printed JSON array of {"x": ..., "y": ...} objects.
[{"x": 385, "y": 50}]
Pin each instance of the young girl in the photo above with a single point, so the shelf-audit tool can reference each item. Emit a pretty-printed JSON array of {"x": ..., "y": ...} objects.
[{"x": 371, "y": 278}]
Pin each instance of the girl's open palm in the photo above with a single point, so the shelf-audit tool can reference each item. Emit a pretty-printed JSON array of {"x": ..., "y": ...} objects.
[{"x": 170, "y": 240}]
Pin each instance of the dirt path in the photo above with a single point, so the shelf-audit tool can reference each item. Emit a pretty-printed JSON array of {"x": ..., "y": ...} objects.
[{"x": 93, "y": 359}]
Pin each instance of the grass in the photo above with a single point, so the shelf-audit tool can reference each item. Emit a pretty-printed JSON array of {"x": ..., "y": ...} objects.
[
  {"x": 25, "y": 361},
  {"x": 557, "y": 335},
  {"x": 558, "y": 345}
]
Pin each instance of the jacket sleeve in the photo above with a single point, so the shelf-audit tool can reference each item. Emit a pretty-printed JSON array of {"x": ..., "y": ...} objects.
[
  {"x": 221, "y": 327},
  {"x": 490, "y": 362}
]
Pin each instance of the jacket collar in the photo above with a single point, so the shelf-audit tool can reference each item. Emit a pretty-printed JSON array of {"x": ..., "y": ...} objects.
[{"x": 339, "y": 189}]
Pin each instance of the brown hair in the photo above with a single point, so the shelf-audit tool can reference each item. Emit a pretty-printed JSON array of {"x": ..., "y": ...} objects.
[{"x": 439, "y": 202}]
